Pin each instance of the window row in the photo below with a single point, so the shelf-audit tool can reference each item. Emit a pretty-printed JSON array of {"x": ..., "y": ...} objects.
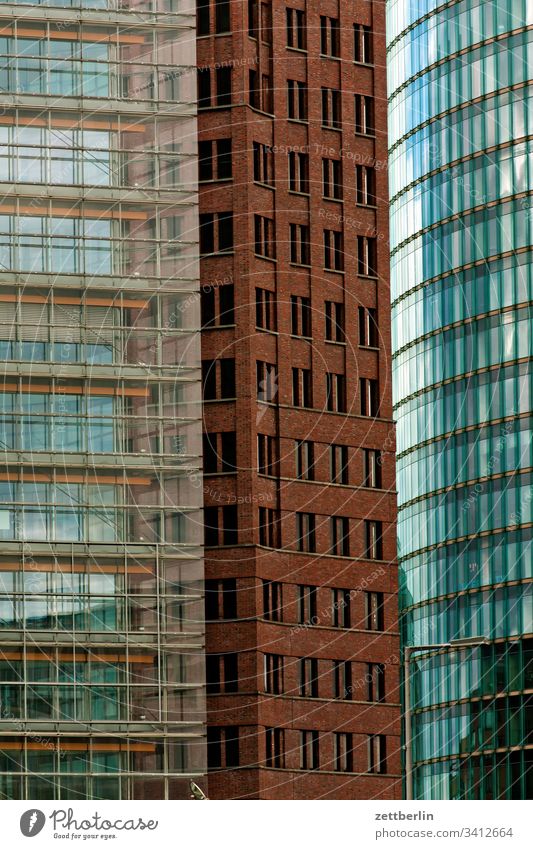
[
  {"x": 477, "y": 562},
  {"x": 97, "y": 703},
  {"x": 466, "y": 185},
  {"x": 498, "y": 119},
  {"x": 490, "y": 449},
  {"x": 444, "y": 302},
  {"x": 461, "y": 403},
  {"x": 473, "y": 672},
  {"x": 350, "y": 752},
  {"x": 311, "y": 458},
  {"x": 93, "y": 614},
  {"x": 308, "y": 603},
  {"x": 316, "y": 678},
  {"x": 476, "y": 73},
  {"x": 487, "y": 506},
  {"x": 478, "y": 344},
  {"x": 450, "y": 31},
  {"x": 503, "y": 612}
]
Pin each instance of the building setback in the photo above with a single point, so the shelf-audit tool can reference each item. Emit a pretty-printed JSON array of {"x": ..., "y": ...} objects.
[
  {"x": 101, "y": 609},
  {"x": 302, "y": 642},
  {"x": 461, "y": 245}
]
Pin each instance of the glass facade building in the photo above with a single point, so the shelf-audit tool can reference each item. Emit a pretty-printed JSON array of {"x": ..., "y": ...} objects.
[
  {"x": 101, "y": 610},
  {"x": 460, "y": 132}
]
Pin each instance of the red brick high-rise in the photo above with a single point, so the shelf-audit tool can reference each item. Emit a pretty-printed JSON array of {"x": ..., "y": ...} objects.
[{"x": 302, "y": 640}]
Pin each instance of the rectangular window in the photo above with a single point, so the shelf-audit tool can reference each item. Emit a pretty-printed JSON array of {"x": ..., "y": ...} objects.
[
  {"x": 223, "y": 77},
  {"x": 309, "y": 750},
  {"x": 268, "y": 527},
  {"x": 369, "y": 394},
  {"x": 374, "y": 613},
  {"x": 296, "y": 29},
  {"x": 332, "y": 178},
  {"x": 340, "y": 536},
  {"x": 335, "y": 393},
  {"x": 267, "y": 382},
  {"x": 202, "y": 17},
  {"x": 334, "y": 321},
  {"x": 368, "y": 327},
  {"x": 266, "y": 454},
  {"x": 220, "y": 599},
  {"x": 329, "y": 37},
  {"x": 331, "y": 108},
  {"x": 308, "y": 667},
  {"x": 222, "y": 673},
  {"x": 343, "y": 751},
  {"x": 302, "y": 387},
  {"x": 230, "y": 534},
  {"x": 222, "y": 747},
  {"x": 272, "y": 601},
  {"x": 333, "y": 250},
  {"x": 371, "y": 468},
  {"x": 214, "y": 160},
  {"x": 222, "y": 16},
  {"x": 298, "y": 172},
  {"x": 300, "y": 316},
  {"x": 375, "y": 677},
  {"x": 254, "y": 92},
  {"x": 253, "y": 18},
  {"x": 365, "y": 183},
  {"x": 226, "y": 371},
  {"x": 226, "y": 305},
  {"x": 263, "y": 164},
  {"x": 305, "y": 532},
  {"x": 216, "y": 232},
  {"x": 341, "y": 608},
  {"x": 342, "y": 679},
  {"x": 338, "y": 464},
  {"x": 273, "y": 666},
  {"x": 362, "y": 44},
  {"x": 305, "y": 460},
  {"x": 297, "y": 100},
  {"x": 377, "y": 755},
  {"x": 220, "y": 525},
  {"x": 227, "y": 378},
  {"x": 264, "y": 237},
  {"x": 367, "y": 256},
  {"x": 307, "y": 605},
  {"x": 364, "y": 115},
  {"x": 204, "y": 87},
  {"x": 374, "y": 540},
  {"x": 300, "y": 250},
  {"x": 219, "y": 452},
  {"x": 205, "y": 161},
  {"x": 275, "y": 748},
  {"x": 217, "y": 305},
  {"x": 265, "y": 309},
  {"x": 266, "y": 93}
]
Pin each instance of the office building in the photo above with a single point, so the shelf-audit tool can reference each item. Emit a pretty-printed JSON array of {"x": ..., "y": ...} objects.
[
  {"x": 460, "y": 125},
  {"x": 302, "y": 651}
]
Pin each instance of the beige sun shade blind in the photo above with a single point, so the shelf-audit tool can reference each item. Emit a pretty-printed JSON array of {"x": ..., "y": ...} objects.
[
  {"x": 67, "y": 323},
  {"x": 8, "y": 321},
  {"x": 33, "y": 321},
  {"x": 99, "y": 323}
]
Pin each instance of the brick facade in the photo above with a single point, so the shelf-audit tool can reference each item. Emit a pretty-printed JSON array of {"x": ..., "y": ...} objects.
[{"x": 249, "y": 757}]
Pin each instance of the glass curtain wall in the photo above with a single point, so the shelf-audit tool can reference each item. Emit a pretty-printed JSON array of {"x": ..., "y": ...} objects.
[
  {"x": 101, "y": 611},
  {"x": 461, "y": 131}
]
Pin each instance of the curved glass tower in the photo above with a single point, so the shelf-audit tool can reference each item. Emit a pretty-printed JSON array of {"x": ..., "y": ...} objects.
[
  {"x": 101, "y": 624},
  {"x": 461, "y": 178}
]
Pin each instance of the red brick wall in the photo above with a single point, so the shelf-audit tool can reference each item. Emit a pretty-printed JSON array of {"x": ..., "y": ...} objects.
[{"x": 250, "y": 708}]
